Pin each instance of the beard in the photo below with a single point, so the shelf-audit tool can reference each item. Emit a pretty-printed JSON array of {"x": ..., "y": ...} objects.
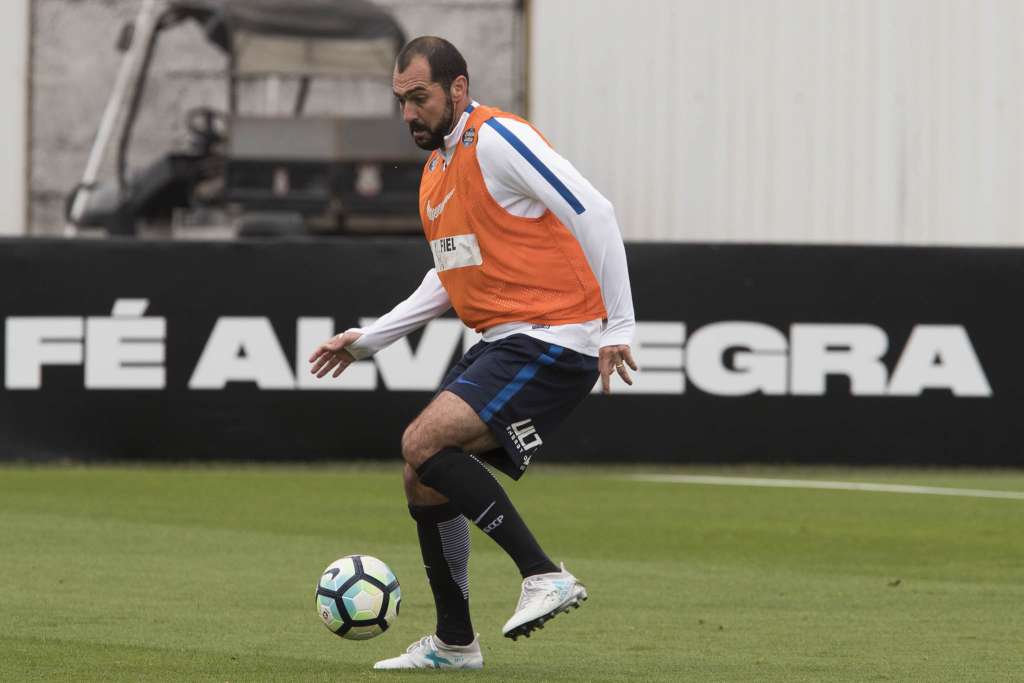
[{"x": 435, "y": 139}]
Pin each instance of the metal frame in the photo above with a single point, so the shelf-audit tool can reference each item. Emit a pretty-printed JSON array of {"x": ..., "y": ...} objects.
[{"x": 114, "y": 113}]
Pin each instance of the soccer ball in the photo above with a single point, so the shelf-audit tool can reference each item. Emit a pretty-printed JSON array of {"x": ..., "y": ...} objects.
[{"x": 358, "y": 597}]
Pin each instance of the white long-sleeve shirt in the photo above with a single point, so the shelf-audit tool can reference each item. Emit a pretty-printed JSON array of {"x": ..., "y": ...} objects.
[{"x": 518, "y": 187}]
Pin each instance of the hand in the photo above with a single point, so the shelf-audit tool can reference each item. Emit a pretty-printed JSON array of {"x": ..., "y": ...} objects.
[
  {"x": 333, "y": 353},
  {"x": 615, "y": 358}
]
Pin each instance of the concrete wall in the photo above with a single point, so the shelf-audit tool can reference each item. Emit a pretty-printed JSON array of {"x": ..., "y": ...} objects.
[
  {"x": 74, "y": 64},
  {"x": 879, "y": 121},
  {"x": 14, "y": 17}
]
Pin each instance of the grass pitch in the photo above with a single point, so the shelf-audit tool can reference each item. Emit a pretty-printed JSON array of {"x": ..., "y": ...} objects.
[{"x": 207, "y": 574}]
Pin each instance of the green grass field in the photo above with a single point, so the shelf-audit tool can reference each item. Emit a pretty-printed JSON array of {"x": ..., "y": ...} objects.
[{"x": 207, "y": 574}]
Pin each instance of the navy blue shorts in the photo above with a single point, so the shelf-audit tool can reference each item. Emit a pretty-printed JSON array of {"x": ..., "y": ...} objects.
[{"x": 522, "y": 388}]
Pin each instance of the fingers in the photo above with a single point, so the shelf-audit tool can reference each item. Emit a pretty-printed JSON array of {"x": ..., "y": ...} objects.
[
  {"x": 325, "y": 349},
  {"x": 340, "y": 359},
  {"x": 322, "y": 360},
  {"x": 328, "y": 366},
  {"x": 330, "y": 355},
  {"x": 624, "y": 373},
  {"x": 625, "y": 358},
  {"x": 325, "y": 365},
  {"x": 320, "y": 350},
  {"x": 615, "y": 358},
  {"x": 332, "y": 345}
]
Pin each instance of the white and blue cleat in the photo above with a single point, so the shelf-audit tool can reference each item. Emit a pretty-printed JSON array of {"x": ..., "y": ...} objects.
[
  {"x": 544, "y": 597},
  {"x": 430, "y": 652}
]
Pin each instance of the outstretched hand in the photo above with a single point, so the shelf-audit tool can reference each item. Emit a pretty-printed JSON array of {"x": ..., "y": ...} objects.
[
  {"x": 615, "y": 359},
  {"x": 332, "y": 354}
]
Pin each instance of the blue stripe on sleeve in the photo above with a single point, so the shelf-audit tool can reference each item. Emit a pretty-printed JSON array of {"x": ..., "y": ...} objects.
[
  {"x": 546, "y": 172},
  {"x": 524, "y": 375},
  {"x": 469, "y": 108}
]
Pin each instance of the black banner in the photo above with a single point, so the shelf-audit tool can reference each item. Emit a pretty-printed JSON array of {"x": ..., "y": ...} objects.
[{"x": 194, "y": 351}]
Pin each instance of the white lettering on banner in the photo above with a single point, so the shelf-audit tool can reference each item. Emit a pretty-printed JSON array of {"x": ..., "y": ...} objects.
[
  {"x": 125, "y": 351},
  {"x": 728, "y": 358},
  {"x": 736, "y": 358},
  {"x": 242, "y": 350},
  {"x": 939, "y": 357},
  {"x": 853, "y": 351},
  {"x": 758, "y": 359},
  {"x": 309, "y": 334},
  {"x": 34, "y": 342}
]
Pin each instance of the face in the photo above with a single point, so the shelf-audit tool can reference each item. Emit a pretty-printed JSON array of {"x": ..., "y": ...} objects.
[{"x": 426, "y": 107}]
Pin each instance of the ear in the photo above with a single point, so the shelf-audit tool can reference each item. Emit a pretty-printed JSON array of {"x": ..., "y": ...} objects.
[{"x": 460, "y": 87}]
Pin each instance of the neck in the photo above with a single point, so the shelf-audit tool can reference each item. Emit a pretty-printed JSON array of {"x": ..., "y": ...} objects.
[
  {"x": 458, "y": 109},
  {"x": 451, "y": 139}
]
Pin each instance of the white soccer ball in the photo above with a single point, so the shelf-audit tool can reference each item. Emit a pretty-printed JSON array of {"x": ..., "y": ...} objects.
[{"x": 358, "y": 597}]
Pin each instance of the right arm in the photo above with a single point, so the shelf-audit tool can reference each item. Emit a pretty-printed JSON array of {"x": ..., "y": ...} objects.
[{"x": 428, "y": 302}]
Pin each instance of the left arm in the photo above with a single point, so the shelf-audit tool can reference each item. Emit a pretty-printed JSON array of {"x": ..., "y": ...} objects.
[{"x": 517, "y": 165}]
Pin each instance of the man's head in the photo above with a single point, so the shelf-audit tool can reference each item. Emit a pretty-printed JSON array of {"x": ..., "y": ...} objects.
[{"x": 431, "y": 84}]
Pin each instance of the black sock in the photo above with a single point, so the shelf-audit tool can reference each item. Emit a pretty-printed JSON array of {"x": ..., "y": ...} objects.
[
  {"x": 444, "y": 542},
  {"x": 474, "y": 492}
]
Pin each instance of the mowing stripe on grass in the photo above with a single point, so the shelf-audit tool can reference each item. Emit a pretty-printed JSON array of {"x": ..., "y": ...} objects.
[{"x": 833, "y": 485}]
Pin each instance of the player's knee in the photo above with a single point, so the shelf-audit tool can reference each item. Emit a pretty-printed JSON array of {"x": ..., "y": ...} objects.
[
  {"x": 408, "y": 444},
  {"x": 410, "y": 482},
  {"x": 416, "y": 493},
  {"x": 415, "y": 451}
]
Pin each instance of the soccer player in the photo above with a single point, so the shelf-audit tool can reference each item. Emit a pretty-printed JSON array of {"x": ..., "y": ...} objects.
[{"x": 530, "y": 255}]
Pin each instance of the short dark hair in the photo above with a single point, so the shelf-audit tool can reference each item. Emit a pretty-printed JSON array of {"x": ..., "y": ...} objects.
[{"x": 446, "y": 62}]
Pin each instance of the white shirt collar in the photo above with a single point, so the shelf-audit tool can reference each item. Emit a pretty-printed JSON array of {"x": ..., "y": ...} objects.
[{"x": 452, "y": 139}]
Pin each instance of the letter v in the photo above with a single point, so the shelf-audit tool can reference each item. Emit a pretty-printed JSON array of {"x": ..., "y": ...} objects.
[{"x": 423, "y": 371}]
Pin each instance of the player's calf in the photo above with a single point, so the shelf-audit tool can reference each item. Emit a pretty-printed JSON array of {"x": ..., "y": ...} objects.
[{"x": 474, "y": 491}]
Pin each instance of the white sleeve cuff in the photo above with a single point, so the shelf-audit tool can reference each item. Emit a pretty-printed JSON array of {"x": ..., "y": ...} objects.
[
  {"x": 618, "y": 334},
  {"x": 428, "y": 302},
  {"x": 359, "y": 349}
]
